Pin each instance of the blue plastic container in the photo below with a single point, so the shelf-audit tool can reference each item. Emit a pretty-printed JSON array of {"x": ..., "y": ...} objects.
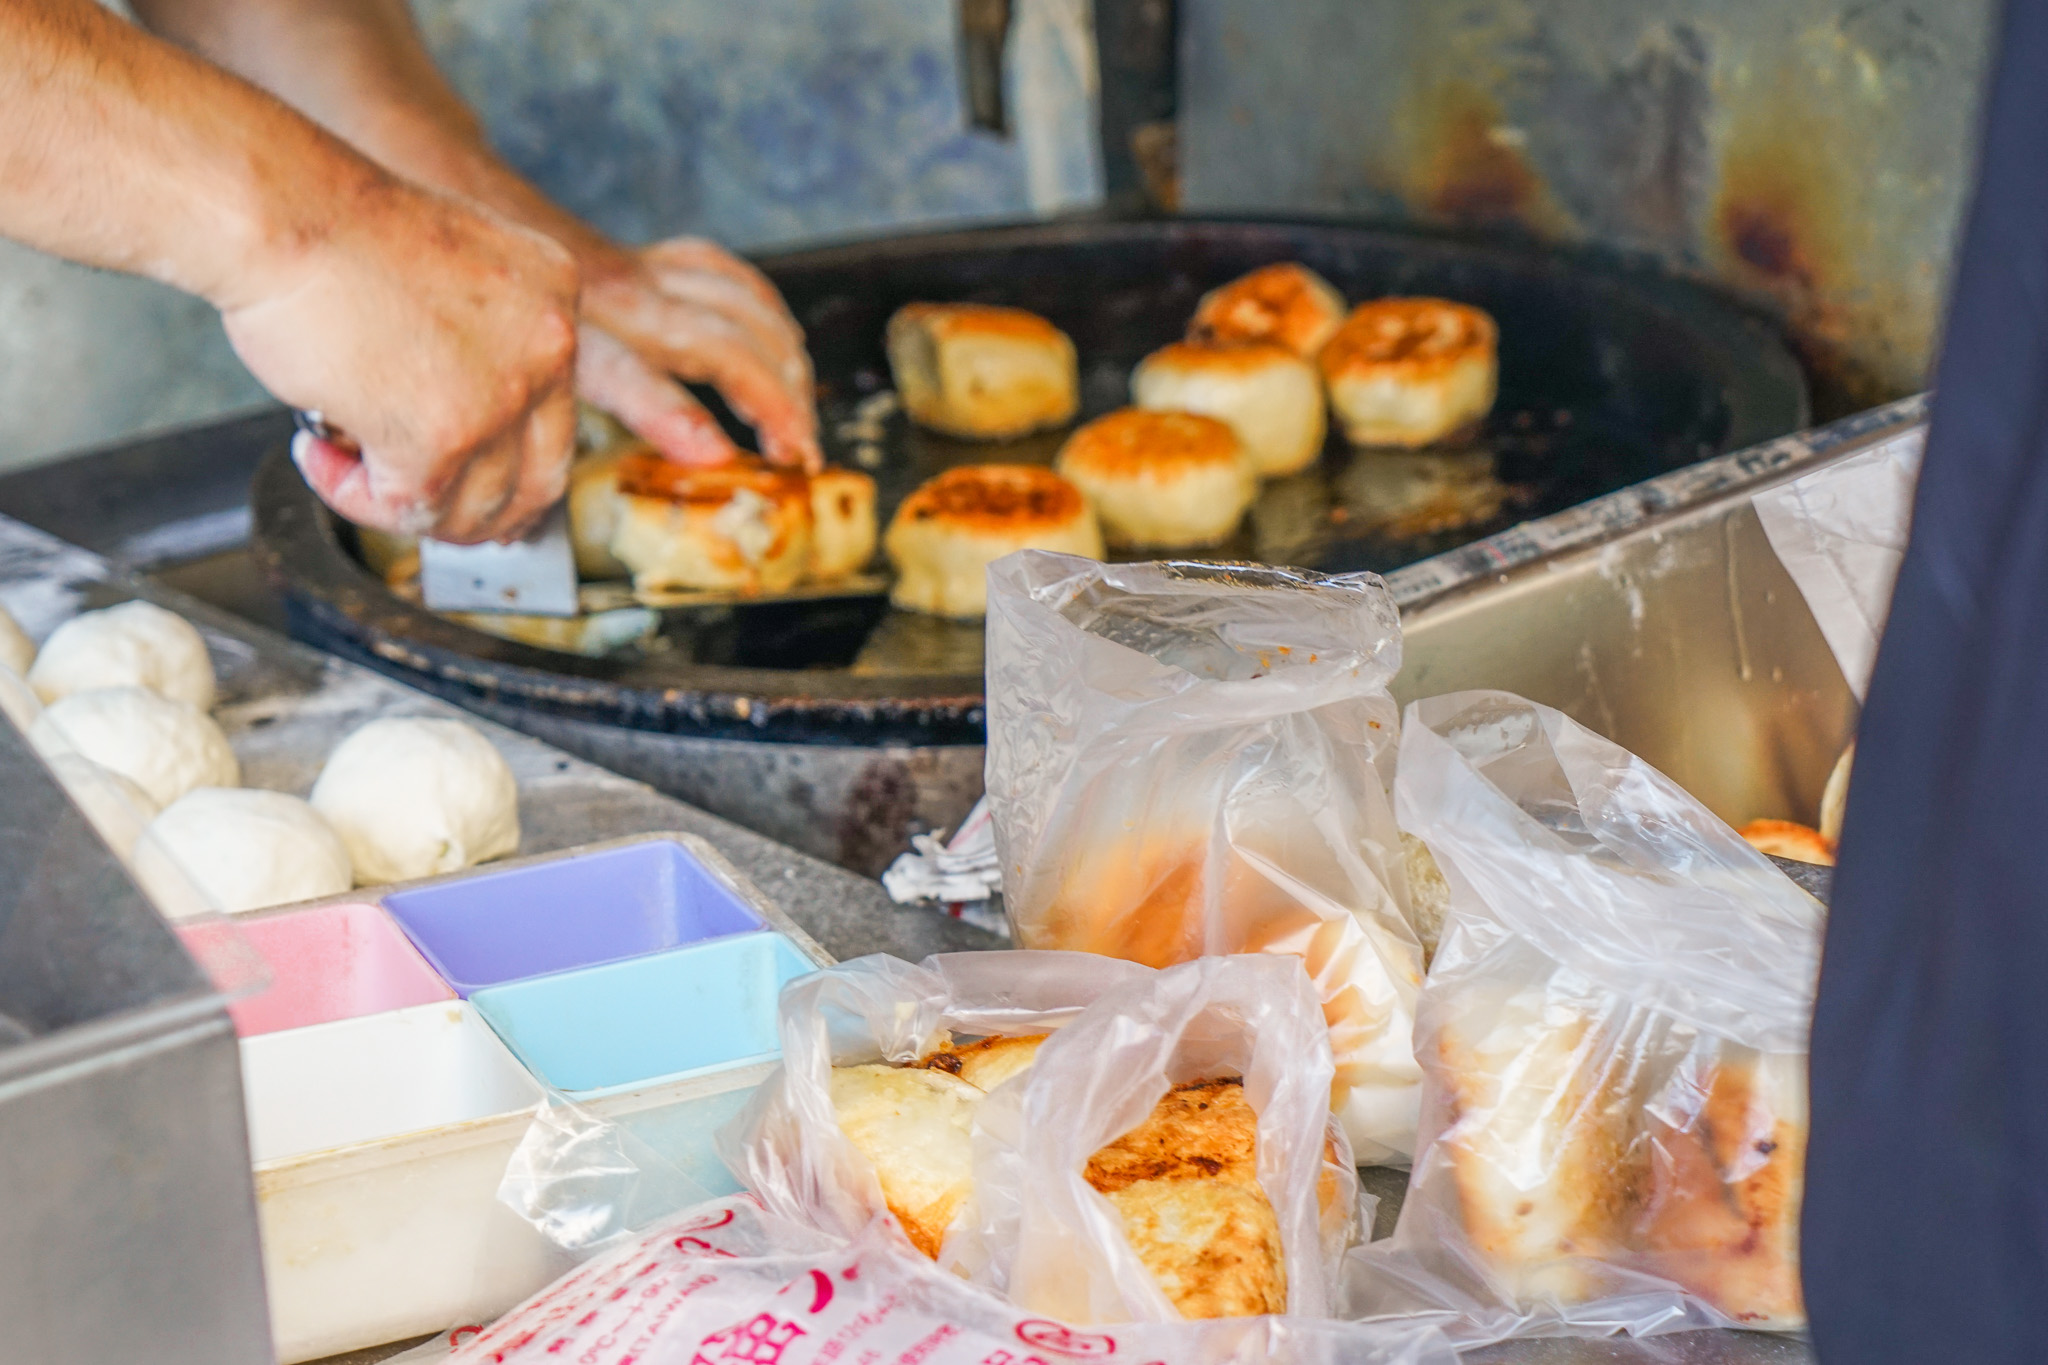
[
  {"x": 650, "y": 1019},
  {"x": 554, "y": 916}
]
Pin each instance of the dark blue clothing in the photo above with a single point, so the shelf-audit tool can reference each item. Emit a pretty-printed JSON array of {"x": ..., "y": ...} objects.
[{"x": 1926, "y": 1221}]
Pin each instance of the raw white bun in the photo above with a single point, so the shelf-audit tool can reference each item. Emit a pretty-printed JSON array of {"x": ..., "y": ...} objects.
[
  {"x": 946, "y": 534},
  {"x": 416, "y": 798},
  {"x": 239, "y": 849},
  {"x": 137, "y": 644},
  {"x": 1167, "y": 480},
  {"x": 17, "y": 651},
  {"x": 118, "y": 808},
  {"x": 165, "y": 747},
  {"x": 1271, "y": 397}
]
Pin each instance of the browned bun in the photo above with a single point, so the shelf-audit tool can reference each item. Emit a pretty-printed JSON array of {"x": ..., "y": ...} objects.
[
  {"x": 1407, "y": 372},
  {"x": 981, "y": 371},
  {"x": 946, "y": 534},
  {"x": 1168, "y": 479},
  {"x": 740, "y": 526},
  {"x": 1285, "y": 303}
]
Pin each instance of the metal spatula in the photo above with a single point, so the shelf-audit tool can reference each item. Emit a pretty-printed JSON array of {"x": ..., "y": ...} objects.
[{"x": 533, "y": 577}]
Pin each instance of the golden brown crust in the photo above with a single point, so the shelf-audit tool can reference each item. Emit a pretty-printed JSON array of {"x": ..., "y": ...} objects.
[
  {"x": 1213, "y": 1248},
  {"x": 1135, "y": 442},
  {"x": 949, "y": 320},
  {"x": 987, "y": 1062},
  {"x": 1186, "y": 1184},
  {"x": 1723, "y": 1218},
  {"x": 996, "y": 497},
  {"x": 1412, "y": 339},
  {"x": 1788, "y": 839},
  {"x": 647, "y": 475},
  {"x": 1285, "y": 303},
  {"x": 1205, "y": 1130}
]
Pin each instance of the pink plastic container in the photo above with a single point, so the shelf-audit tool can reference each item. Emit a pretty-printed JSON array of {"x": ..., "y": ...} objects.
[{"x": 330, "y": 962}]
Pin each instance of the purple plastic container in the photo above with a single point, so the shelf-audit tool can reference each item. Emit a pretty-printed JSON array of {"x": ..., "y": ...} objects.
[{"x": 558, "y": 915}]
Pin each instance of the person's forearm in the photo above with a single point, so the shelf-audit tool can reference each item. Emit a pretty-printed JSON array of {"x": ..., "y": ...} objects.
[
  {"x": 123, "y": 152},
  {"x": 360, "y": 68}
]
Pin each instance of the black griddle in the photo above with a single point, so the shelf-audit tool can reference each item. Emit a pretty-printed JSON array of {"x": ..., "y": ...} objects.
[{"x": 1611, "y": 372}]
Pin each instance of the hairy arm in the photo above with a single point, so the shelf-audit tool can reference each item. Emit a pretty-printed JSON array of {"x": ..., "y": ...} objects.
[
  {"x": 439, "y": 336},
  {"x": 679, "y": 310}
]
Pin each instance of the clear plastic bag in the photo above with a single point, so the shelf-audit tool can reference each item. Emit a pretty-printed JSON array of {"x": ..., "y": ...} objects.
[
  {"x": 1192, "y": 759},
  {"x": 729, "y": 1284},
  {"x": 1613, "y": 1034},
  {"x": 1122, "y": 1036}
]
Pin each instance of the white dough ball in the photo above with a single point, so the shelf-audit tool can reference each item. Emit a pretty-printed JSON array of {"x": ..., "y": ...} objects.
[
  {"x": 137, "y": 644},
  {"x": 117, "y": 808},
  {"x": 17, "y": 651},
  {"x": 239, "y": 849},
  {"x": 18, "y": 701},
  {"x": 165, "y": 747},
  {"x": 415, "y": 798}
]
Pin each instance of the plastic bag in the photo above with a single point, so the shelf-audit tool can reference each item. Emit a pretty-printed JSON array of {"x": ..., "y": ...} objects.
[
  {"x": 1192, "y": 759},
  {"x": 1123, "y": 1035},
  {"x": 1614, "y": 1035},
  {"x": 730, "y": 1284}
]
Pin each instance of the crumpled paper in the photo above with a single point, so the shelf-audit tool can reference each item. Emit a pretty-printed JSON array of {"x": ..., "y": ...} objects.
[
  {"x": 962, "y": 873},
  {"x": 1841, "y": 533}
]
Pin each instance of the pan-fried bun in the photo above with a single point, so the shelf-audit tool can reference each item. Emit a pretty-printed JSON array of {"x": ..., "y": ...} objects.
[
  {"x": 1167, "y": 479},
  {"x": 987, "y": 1062},
  {"x": 1285, "y": 303},
  {"x": 1788, "y": 839},
  {"x": 842, "y": 523},
  {"x": 1185, "y": 1183},
  {"x": 1269, "y": 395},
  {"x": 739, "y": 527},
  {"x": 946, "y": 534},
  {"x": 594, "y": 511},
  {"x": 913, "y": 1126},
  {"x": 974, "y": 370},
  {"x": 1408, "y": 372}
]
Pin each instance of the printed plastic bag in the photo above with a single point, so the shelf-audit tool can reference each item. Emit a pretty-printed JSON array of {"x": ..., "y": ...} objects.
[
  {"x": 1613, "y": 1034},
  {"x": 1123, "y": 1035},
  {"x": 729, "y": 1284},
  {"x": 1191, "y": 759}
]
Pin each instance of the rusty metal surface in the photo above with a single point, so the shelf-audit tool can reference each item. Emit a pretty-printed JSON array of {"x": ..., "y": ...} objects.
[{"x": 1813, "y": 154}]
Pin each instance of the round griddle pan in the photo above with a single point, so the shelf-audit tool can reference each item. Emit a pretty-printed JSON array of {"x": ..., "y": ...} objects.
[{"x": 1609, "y": 374}]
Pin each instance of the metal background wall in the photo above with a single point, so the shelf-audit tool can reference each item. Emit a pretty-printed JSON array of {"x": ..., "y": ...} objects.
[
  {"x": 1813, "y": 154},
  {"x": 768, "y": 121}
]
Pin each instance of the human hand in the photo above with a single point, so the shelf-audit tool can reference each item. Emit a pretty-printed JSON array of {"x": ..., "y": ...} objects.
[
  {"x": 686, "y": 309},
  {"x": 442, "y": 339}
]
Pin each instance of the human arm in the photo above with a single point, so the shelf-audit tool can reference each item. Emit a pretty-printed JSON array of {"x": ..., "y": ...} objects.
[
  {"x": 440, "y": 337},
  {"x": 678, "y": 310}
]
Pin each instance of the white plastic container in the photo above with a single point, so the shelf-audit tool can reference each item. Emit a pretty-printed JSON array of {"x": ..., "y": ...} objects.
[{"x": 379, "y": 1143}]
